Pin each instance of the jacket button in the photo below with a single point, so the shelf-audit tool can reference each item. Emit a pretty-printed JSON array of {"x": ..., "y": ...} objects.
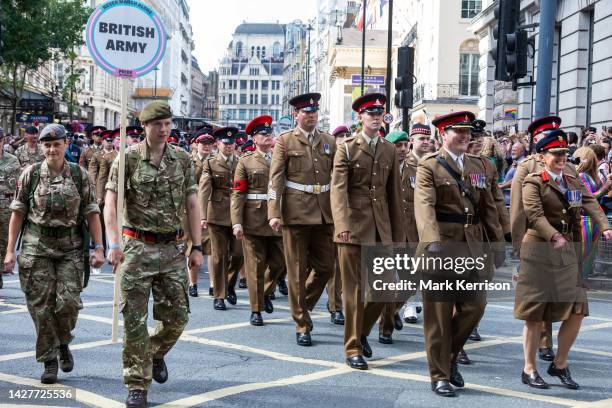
[
  {"x": 316, "y": 171},
  {"x": 373, "y": 174},
  {"x": 564, "y": 211}
]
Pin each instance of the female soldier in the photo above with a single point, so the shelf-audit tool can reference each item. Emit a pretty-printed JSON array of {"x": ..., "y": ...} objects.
[
  {"x": 548, "y": 286},
  {"x": 54, "y": 198}
]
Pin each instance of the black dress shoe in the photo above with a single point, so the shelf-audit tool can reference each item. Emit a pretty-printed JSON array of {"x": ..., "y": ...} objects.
[
  {"x": 357, "y": 362},
  {"x": 456, "y": 378},
  {"x": 66, "y": 360},
  {"x": 231, "y": 296},
  {"x": 242, "y": 283},
  {"x": 411, "y": 319},
  {"x": 303, "y": 339},
  {"x": 475, "y": 336},
  {"x": 49, "y": 376},
  {"x": 256, "y": 319},
  {"x": 272, "y": 296},
  {"x": 136, "y": 399},
  {"x": 219, "y": 304},
  {"x": 564, "y": 375},
  {"x": 443, "y": 388},
  {"x": 533, "y": 380},
  {"x": 385, "y": 339},
  {"x": 160, "y": 371},
  {"x": 282, "y": 287},
  {"x": 268, "y": 306},
  {"x": 337, "y": 318},
  {"x": 397, "y": 322},
  {"x": 210, "y": 291},
  {"x": 367, "y": 350},
  {"x": 193, "y": 290},
  {"x": 546, "y": 354},
  {"x": 462, "y": 358}
]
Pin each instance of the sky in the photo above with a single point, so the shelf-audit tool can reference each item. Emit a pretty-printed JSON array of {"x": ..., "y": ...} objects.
[{"x": 214, "y": 21}]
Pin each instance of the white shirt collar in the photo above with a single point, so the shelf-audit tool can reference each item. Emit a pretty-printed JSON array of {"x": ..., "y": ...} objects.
[
  {"x": 369, "y": 139},
  {"x": 455, "y": 157},
  {"x": 554, "y": 176}
]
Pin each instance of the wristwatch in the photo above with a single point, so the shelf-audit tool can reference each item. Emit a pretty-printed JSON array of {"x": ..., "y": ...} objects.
[
  {"x": 197, "y": 248},
  {"x": 98, "y": 246}
]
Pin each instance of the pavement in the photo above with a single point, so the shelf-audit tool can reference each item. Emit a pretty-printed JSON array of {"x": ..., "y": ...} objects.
[{"x": 223, "y": 361}]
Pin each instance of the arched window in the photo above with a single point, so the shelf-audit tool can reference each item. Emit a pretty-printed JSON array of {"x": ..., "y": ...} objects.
[
  {"x": 252, "y": 51},
  {"x": 258, "y": 52},
  {"x": 276, "y": 50},
  {"x": 239, "y": 49},
  {"x": 263, "y": 52},
  {"x": 468, "y": 68}
]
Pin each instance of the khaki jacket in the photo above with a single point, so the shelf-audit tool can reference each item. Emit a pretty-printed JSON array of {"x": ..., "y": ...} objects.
[
  {"x": 498, "y": 195},
  {"x": 366, "y": 192},
  {"x": 101, "y": 163},
  {"x": 518, "y": 220},
  {"x": 215, "y": 186},
  {"x": 437, "y": 192},
  {"x": 295, "y": 159},
  {"x": 408, "y": 184},
  {"x": 251, "y": 177}
]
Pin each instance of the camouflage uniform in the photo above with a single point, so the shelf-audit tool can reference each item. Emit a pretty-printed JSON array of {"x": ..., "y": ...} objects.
[
  {"x": 155, "y": 202},
  {"x": 26, "y": 157},
  {"x": 51, "y": 260},
  {"x": 9, "y": 172}
]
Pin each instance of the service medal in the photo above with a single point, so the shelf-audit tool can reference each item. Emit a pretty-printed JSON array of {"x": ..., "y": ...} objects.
[
  {"x": 574, "y": 197},
  {"x": 326, "y": 148},
  {"x": 413, "y": 181}
]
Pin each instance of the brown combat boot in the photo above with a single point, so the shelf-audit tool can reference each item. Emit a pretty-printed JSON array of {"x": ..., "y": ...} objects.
[{"x": 49, "y": 376}]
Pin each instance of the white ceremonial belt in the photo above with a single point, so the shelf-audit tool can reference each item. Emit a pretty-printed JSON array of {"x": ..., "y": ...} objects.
[
  {"x": 312, "y": 189},
  {"x": 251, "y": 196}
]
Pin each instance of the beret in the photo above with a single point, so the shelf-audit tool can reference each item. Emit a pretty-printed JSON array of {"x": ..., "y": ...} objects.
[
  {"x": 155, "y": 110},
  {"x": 52, "y": 132},
  {"x": 397, "y": 136}
]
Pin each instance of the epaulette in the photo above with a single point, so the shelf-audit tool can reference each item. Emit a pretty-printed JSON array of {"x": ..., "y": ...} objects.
[
  {"x": 429, "y": 156},
  {"x": 287, "y": 132},
  {"x": 476, "y": 156},
  {"x": 350, "y": 138},
  {"x": 247, "y": 154}
]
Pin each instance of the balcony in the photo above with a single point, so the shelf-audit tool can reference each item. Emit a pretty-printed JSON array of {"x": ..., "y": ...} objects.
[{"x": 148, "y": 93}]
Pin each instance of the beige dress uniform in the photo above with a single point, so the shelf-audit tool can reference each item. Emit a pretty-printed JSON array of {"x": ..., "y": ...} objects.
[
  {"x": 262, "y": 246},
  {"x": 518, "y": 219},
  {"x": 215, "y": 187},
  {"x": 198, "y": 167},
  {"x": 436, "y": 195},
  {"x": 548, "y": 284},
  {"x": 408, "y": 174},
  {"x": 298, "y": 194},
  {"x": 88, "y": 155},
  {"x": 366, "y": 201}
]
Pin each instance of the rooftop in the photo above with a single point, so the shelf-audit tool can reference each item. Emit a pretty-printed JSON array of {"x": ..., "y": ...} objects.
[{"x": 260, "y": 28}]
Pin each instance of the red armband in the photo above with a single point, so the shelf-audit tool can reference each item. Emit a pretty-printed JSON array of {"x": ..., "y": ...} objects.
[{"x": 240, "y": 185}]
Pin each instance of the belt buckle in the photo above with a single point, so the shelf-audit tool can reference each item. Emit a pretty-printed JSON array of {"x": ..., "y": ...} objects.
[
  {"x": 316, "y": 189},
  {"x": 564, "y": 227},
  {"x": 469, "y": 219}
]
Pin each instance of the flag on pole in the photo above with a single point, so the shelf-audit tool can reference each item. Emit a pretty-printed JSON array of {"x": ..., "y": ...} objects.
[{"x": 374, "y": 13}]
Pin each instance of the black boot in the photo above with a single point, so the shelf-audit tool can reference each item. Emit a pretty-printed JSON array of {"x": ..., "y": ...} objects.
[
  {"x": 136, "y": 399},
  {"x": 282, "y": 287},
  {"x": 160, "y": 371},
  {"x": 66, "y": 360},
  {"x": 242, "y": 283},
  {"x": 256, "y": 319},
  {"x": 365, "y": 346},
  {"x": 268, "y": 306},
  {"x": 49, "y": 376},
  {"x": 193, "y": 290},
  {"x": 231, "y": 296}
]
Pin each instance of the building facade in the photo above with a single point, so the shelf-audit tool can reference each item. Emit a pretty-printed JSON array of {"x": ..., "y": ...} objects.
[
  {"x": 295, "y": 63},
  {"x": 251, "y": 74},
  {"x": 211, "y": 95},
  {"x": 197, "y": 89},
  {"x": 581, "y": 89}
]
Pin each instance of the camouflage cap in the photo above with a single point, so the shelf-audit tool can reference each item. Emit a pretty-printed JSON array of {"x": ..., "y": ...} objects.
[
  {"x": 52, "y": 132},
  {"x": 155, "y": 110}
]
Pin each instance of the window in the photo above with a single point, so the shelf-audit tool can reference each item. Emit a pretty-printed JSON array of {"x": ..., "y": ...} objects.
[
  {"x": 243, "y": 84},
  {"x": 243, "y": 99},
  {"x": 223, "y": 100},
  {"x": 253, "y": 71},
  {"x": 275, "y": 85},
  {"x": 264, "y": 85},
  {"x": 468, "y": 74},
  {"x": 469, "y": 8},
  {"x": 264, "y": 99},
  {"x": 276, "y": 50},
  {"x": 258, "y": 52},
  {"x": 254, "y": 84},
  {"x": 242, "y": 114},
  {"x": 239, "y": 49},
  {"x": 263, "y": 52},
  {"x": 252, "y": 51}
]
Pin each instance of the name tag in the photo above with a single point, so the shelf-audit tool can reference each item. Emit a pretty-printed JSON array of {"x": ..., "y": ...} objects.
[
  {"x": 478, "y": 180},
  {"x": 574, "y": 198}
]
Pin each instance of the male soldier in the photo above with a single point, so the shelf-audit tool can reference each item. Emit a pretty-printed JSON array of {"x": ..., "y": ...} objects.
[
  {"x": 94, "y": 148},
  {"x": 298, "y": 195},
  {"x": 215, "y": 187},
  {"x": 518, "y": 219},
  {"x": 366, "y": 206},
  {"x": 203, "y": 144},
  {"x": 452, "y": 204},
  {"x": 262, "y": 246},
  {"x": 160, "y": 187},
  {"x": 134, "y": 134},
  {"x": 30, "y": 152},
  {"x": 421, "y": 142},
  {"x": 94, "y": 165},
  {"x": 334, "y": 285},
  {"x": 9, "y": 173}
]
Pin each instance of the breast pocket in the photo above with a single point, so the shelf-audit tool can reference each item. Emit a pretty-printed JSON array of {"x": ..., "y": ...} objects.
[
  {"x": 141, "y": 188},
  {"x": 446, "y": 189},
  {"x": 295, "y": 160},
  {"x": 220, "y": 180},
  {"x": 358, "y": 172},
  {"x": 178, "y": 189},
  {"x": 68, "y": 202},
  {"x": 256, "y": 179},
  {"x": 42, "y": 197}
]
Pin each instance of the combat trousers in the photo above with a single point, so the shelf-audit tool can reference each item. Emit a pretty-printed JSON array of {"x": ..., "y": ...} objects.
[
  {"x": 305, "y": 244},
  {"x": 334, "y": 289},
  {"x": 261, "y": 252},
  {"x": 51, "y": 276},
  {"x": 159, "y": 268},
  {"x": 358, "y": 317},
  {"x": 446, "y": 333},
  {"x": 546, "y": 340},
  {"x": 5, "y": 217},
  {"x": 227, "y": 259}
]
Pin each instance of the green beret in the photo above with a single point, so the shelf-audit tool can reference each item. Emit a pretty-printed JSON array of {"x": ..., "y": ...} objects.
[
  {"x": 155, "y": 110},
  {"x": 397, "y": 136}
]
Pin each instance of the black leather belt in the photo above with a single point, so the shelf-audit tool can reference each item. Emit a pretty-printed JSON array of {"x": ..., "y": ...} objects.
[
  {"x": 563, "y": 228},
  {"x": 465, "y": 219},
  {"x": 153, "y": 237}
]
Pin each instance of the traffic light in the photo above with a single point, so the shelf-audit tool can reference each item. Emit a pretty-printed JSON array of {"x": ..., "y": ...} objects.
[
  {"x": 510, "y": 50},
  {"x": 405, "y": 73}
]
